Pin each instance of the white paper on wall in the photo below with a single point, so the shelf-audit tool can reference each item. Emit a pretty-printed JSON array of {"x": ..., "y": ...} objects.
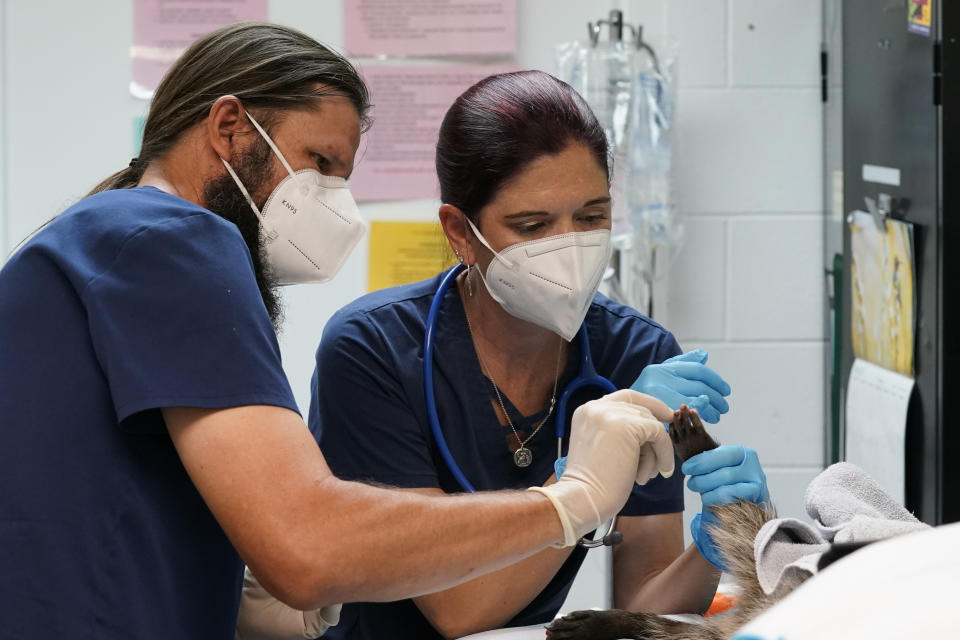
[
  {"x": 876, "y": 420},
  {"x": 436, "y": 27},
  {"x": 397, "y": 158},
  {"x": 162, "y": 29}
]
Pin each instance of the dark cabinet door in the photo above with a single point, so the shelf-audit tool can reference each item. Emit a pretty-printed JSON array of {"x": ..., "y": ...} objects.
[{"x": 891, "y": 119}]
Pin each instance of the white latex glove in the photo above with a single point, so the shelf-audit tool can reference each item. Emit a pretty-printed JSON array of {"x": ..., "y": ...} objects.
[
  {"x": 263, "y": 617},
  {"x": 614, "y": 441}
]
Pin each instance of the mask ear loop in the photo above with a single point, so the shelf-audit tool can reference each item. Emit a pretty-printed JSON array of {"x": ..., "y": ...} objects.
[
  {"x": 264, "y": 223},
  {"x": 484, "y": 242},
  {"x": 273, "y": 146},
  {"x": 496, "y": 256}
]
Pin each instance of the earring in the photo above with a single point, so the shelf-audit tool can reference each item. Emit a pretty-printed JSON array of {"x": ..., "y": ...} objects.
[{"x": 467, "y": 277}]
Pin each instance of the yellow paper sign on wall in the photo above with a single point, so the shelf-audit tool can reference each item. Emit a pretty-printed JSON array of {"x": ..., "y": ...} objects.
[{"x": 405, "y": 252}]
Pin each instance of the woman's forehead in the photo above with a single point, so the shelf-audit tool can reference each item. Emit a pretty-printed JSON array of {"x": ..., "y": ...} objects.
[{"x": 569, "y": 178}]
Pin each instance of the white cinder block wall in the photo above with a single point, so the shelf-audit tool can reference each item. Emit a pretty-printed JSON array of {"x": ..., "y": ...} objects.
[{"x": 749, "y": 287}]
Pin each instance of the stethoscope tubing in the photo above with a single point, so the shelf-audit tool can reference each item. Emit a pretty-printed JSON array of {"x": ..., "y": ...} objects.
[
  {"x": 431, "y": 399},
  {"x": 586, "y": 377}
]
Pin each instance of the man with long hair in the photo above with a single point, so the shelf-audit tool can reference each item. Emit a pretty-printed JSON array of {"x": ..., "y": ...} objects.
[{"x": 149, "y": 441}]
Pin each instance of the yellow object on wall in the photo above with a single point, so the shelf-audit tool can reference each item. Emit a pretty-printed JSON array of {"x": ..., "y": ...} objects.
[
  {"x": 405, "y": 252},
  {"x": 882, "y": 303}
]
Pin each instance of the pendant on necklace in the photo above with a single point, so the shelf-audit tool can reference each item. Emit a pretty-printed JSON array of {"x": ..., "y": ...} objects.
[{"x": 522, "y": 457}]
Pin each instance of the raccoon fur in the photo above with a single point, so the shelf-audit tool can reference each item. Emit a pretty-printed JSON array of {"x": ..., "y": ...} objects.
[{"x": 738, "y": 526}]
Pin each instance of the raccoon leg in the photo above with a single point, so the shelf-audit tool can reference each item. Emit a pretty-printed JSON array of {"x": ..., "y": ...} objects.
[
  {"x": 688, "y": 435},
  {"x": 739, "y": 523},
  {"x": 615, "y": 624},
  {"x": 689, "y": 438},
  {"x": 734, "y": 535}
]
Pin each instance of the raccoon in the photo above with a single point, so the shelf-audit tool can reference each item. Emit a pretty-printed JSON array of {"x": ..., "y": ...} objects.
[{"x": 739, "y": 524}]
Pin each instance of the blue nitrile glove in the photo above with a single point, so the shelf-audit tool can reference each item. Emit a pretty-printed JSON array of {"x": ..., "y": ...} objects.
[
  {"x": 686, "y": 379},
  {"x": 721, "y": 476},
  {"x": 698, "y": 529},
  {"x": 559, "y": 466}
]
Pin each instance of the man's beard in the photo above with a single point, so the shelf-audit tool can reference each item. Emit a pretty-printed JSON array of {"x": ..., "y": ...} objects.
[{"x": 223, "y": 197}]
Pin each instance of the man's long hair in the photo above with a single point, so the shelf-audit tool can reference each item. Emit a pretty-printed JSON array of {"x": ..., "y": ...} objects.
[{"x": 270, "y": 68}]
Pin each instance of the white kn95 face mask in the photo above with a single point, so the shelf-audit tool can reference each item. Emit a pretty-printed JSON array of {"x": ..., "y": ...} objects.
[
  {"x": 309, "y": 224},
  {"x": 549, "y": 281}
]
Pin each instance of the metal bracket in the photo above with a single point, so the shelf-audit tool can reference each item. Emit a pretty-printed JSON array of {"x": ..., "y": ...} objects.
[
  {"x": 886, "y": 206},
  {"x": 617, "y": 27},
  {"x": 879, "y": 210}
]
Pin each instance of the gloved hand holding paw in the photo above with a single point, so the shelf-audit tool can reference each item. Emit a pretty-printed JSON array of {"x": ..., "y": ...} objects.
[
  {"x": 722, "y": 476},
  {"x": 614, "y": 442},
  {"x": 686, "y": 379}
]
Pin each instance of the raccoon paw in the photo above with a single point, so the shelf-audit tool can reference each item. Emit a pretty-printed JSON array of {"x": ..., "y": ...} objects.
[
  {"x": 688, "y": 434},
  {"x": 591, "y": 625}
]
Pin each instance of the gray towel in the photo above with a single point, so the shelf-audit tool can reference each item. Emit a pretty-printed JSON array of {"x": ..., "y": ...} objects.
[
  {"x": 846, "y": 505},
  {"x": 786, "y": 552}
]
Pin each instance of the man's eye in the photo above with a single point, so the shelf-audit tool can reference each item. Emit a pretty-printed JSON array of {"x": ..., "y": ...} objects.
[{"x": 321, "y": 161}]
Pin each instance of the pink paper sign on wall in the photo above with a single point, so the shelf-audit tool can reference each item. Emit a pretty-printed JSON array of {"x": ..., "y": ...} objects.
[
  {"x": 430, "y": 27},
  {"x": 162, "y": 29},
  {"x": 396, "y": 157}
]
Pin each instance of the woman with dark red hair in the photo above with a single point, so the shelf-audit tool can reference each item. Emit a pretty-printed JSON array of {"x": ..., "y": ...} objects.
[{"x": 524, "y": 180}]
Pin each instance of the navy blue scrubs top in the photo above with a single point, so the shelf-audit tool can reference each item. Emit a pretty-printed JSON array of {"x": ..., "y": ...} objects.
[
  {"x": 129, "y": 301},
  {"x": 368, "y": 413}
]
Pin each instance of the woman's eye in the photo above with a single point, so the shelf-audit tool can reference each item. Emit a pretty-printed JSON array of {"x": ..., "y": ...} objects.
[
  {"x": 595, "y": 218},
  {"x": 532, "y": 227},
  {"x": 321, "y": 161}
]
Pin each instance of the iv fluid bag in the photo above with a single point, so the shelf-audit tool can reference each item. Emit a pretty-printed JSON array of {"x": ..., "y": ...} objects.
[
  {"x": 632, "y": 93},
  {"x": 651, "y": 190},
  {"x": 603, "y": 76}
]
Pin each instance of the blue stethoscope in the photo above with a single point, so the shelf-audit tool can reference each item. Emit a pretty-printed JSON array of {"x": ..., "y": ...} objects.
[{"x": 586, "y": 377}]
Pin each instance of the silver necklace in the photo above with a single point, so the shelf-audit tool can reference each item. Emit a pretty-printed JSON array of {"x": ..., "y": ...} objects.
[{"x": 523, "y": 456}]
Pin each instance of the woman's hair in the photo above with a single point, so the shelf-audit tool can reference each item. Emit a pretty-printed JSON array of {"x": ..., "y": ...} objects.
[
  {"x": 268, "y": 67},
  {"x": 501, "y": 124}
]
